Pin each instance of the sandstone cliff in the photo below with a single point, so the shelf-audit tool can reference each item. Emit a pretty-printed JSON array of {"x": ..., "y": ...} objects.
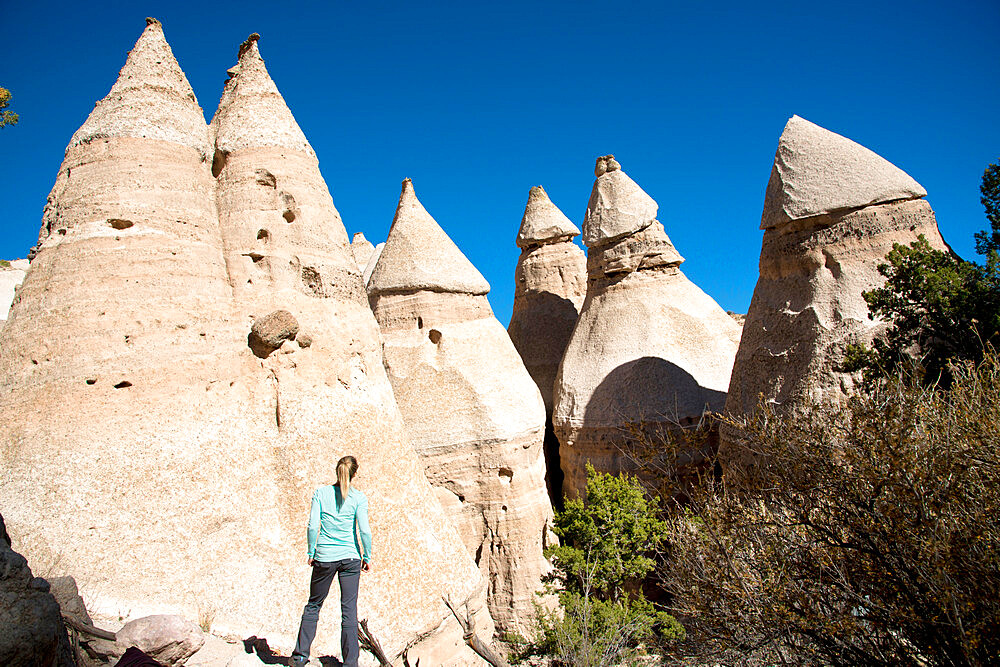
[
  {"x": 832, "y": 211},
  {"x": 650, "y": 350},
  {"x": 155, "y": 456},
  {"x": 472, "y": 411},
  {"x": 550, "y": 282}
]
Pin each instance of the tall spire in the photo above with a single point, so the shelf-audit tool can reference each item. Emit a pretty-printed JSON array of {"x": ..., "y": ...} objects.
[
  {"x": 817, "y": 171},
  {"x": 151, "y": 98},
  {"x": 419, "y": 255},
  {"x": 252, "y": 113}
]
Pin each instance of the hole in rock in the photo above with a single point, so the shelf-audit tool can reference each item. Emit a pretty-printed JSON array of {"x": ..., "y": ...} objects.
[
  {"x": 264, "y": 235},
  {"x": 119, "y": 223},
  {"x": 479, "y": 554},
  {"x": 266, "y": 178},
  {"x": 123, "y": 384},
  {"x": 506, "y": 474},
  {"x": 219, "y": 162},
  {"x": 91, "y": 380},
  {"x": 503, "y": 507},
  {"x": 288, "y": 215},
  {"x": 434, "y": 335},
  {"x": 420, "y": 323}
]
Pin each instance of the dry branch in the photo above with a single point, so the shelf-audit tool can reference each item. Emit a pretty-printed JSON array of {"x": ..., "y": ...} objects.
[
  {"x": 371, "y": 644},
  {"x": 468, "y": 624},
  {"x": 86, "y": 629}
]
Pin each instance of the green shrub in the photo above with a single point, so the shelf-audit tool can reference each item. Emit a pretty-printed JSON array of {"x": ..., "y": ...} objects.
[{"x": 609, "y": 540}]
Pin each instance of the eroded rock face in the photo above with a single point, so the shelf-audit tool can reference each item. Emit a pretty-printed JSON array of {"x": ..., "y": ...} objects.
[
  {"x": 473, "y": 413},
  {"x": 550, "y": 283},
  {"x": 650, "y": 351},
  {"x": 832, "y": 211},
  {"x": 125, "y": 367},
  {"x": 362, "y": 249}
]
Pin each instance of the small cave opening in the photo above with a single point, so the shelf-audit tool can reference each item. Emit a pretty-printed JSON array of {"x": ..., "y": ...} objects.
[
  {"x": 434, "y": 335},
  {"x": 420, "y": 323},
  {"x": 264, "y": 236},
  {"x": 506, "y": 475},
  {"x": 288, "y": 215},
  {"x": 219, "y": 162},
  {"x": 123, "y": 384}
]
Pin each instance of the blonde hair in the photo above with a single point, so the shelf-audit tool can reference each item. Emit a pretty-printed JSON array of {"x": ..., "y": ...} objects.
[{"x": 347, "y": 467}]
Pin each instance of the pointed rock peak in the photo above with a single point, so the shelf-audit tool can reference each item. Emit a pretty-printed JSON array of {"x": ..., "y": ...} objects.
[
  {"x": 362, "y": 249},
  {"x": 252, "y": 113},
  {"x": 816, "y": 171},
  {"x": 617, "y": 207},
  {"x": 419, "y": 255},
  {"x": 359, "y": 238},
  {"x": 151, "y": 99},
  {"x": 543, "y": 222}
]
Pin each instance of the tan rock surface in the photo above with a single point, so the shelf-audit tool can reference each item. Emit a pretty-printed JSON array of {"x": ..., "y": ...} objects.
[
  {"x": 473, "y": 413},
  {"x": 550, "y": 282},
  {"x": 808, "y": 305},
  {"x": 142, "y": 416},
  {"x": 817, "y": 172},
  {"x": 650, "y": 350}
]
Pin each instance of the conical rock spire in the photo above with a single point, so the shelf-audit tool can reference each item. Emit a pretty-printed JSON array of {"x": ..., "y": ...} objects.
[
  {"x": 617, "y": 206},
  {"x": 252, "y": 113},
  {"x": 817, "y": 171},
  {"x": 419, "y": 255},
  {"x": 151, "y": 98},
  {"x": 543, "y": 222}
]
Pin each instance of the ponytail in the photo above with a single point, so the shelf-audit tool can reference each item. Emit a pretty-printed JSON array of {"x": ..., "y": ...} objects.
[{"x": 346, "y": 469}]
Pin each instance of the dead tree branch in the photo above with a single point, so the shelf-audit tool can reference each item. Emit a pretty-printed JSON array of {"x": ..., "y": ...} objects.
[
  {"x": 371, "y": 644},
  {"x": 468, "y": 624},
  {"x": 86, "y": 629}
]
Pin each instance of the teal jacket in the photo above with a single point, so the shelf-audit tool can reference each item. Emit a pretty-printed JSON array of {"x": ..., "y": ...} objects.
[{"x": 334, "y": 530}]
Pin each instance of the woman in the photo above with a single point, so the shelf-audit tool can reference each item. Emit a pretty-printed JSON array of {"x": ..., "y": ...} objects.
[{"x": 338, "y": 514}]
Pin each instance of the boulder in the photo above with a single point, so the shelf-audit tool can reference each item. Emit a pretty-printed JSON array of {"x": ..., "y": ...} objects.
[
  {"x": 473, "y": 413},
  {"x": 166, "y": 638},
  {"x": 650, "y": 350},
  {"x": 269, "y": 332},
  {"x": 66, "y": 593}
]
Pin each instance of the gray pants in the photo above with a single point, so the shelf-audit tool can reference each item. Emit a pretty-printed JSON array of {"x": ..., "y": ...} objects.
[{"x": 319, "y": 587}]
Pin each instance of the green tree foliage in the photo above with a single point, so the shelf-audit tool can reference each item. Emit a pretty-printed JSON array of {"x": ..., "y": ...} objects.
[
  {"x": 987, "y": 242},
  {"x": 6, "y": 117},
  {"x": 609, "y": 539},
  {"x": 941, "y": 308},
  {"x": 869, "y": 534}
]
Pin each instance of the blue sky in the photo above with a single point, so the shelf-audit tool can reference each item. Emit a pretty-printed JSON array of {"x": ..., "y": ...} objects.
[{"x": 477, "y": 102}]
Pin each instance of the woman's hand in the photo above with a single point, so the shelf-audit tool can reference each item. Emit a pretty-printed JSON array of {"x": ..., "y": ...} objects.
[
  {"x": 366, "y": 566},
  {"x": 311, "y": 561}
]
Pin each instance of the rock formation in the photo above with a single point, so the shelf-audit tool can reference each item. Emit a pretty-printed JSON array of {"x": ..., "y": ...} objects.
[
  {"x": 11, "y": 277},
  {"x": 154, "y": 456},
  {"x": 650, "y": 350},
  {"x": 550, "y": 282},
  {"x": 473, "y": 413},
  {"x": 832, "y": 211}
]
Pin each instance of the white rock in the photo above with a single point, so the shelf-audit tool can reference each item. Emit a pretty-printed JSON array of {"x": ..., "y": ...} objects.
[
  {"x": 817, "y": 171},
  {"x": 166, "y": 638}
]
